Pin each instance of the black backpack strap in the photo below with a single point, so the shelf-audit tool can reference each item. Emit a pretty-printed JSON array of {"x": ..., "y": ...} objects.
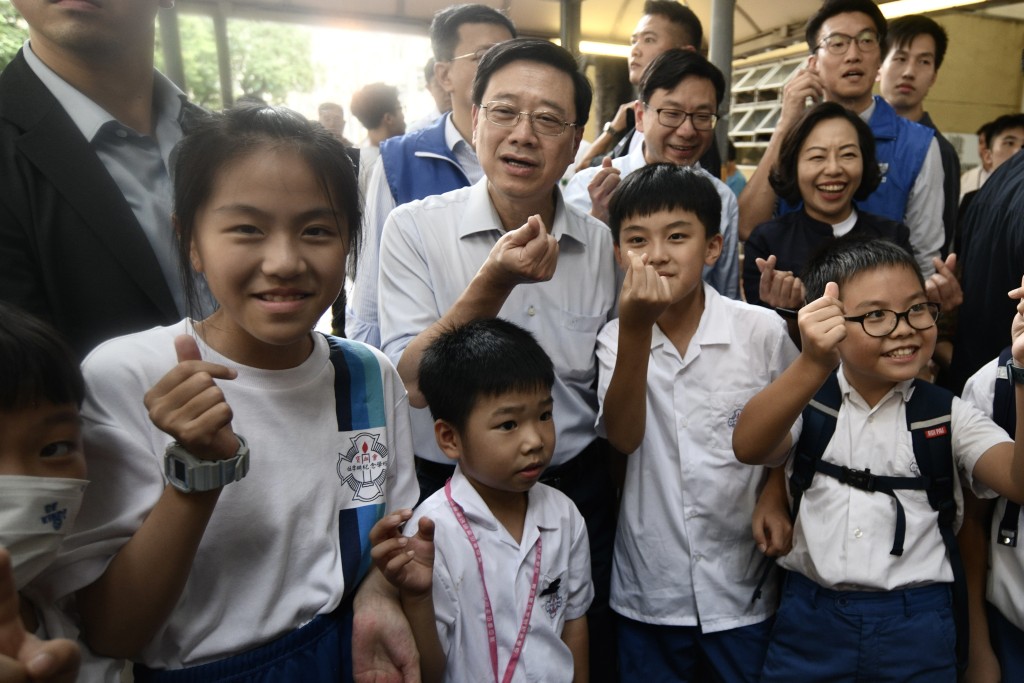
[
  {"x": 819, "y": 426},
  {"x": 1004, "y": 413},
  {"x": 929, "y": 417}
]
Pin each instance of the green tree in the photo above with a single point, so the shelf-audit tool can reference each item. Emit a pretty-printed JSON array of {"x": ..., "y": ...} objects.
[
  {"x": 13, "y": 32},
  {"x": 268, "y": 60}
]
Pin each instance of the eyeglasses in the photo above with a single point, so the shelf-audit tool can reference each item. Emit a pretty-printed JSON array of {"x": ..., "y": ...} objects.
[
  {"x": 882, "y": 322},
  {"x": 839, "y": 43},
  {"x": 542, "y": 122},
  {"x": 673, "y": 118},
  {"x": 472, "y": 56}
]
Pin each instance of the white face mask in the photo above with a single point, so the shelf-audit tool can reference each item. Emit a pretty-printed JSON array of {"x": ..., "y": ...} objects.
[{"x": 35, "y": 515}]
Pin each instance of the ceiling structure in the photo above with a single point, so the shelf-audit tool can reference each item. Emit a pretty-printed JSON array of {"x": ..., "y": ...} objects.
[{"x": 758, "y": 24}]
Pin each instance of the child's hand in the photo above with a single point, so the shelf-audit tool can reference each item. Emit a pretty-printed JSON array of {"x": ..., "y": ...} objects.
[
  {"x": 1017, "y": 327},
  {"x": 822, "y": 327},
  {"x": 601, "y": 187},
  {"x": 779, "y": 288},
  {"x": 187, "y": 404},
  {"x": 942, "y": 287},
  {"x": 645, "y": 294},
  {"x": 406, "y": 561},
  {"x": 24, "y": 657},
  {"x": 527, "y": 254}
]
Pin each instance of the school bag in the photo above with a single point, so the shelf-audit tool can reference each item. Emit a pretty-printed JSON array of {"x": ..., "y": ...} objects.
[
  {"x": 929, "y": 419},
  {"x": 1004, "y": 414}
]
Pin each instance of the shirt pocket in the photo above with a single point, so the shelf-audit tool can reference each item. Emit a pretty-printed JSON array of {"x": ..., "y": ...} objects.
[
  {"x": 724, "y": 408},
  {"x": 574, "y": 353}
]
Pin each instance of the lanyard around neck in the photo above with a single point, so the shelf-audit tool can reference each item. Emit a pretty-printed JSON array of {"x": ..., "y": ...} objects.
[{"x": 492, "y": 637}]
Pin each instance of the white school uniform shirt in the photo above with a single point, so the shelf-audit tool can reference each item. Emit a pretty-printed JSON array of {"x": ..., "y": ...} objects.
[
  {"x": 725, "y": 274},
  {"x": 842, "y": 535},
  {"x": 431, "y": 250},
  {"x": 684, "y": 552},
  {"x": 1006, "y": 563},
  {"x": 508, "y": 568}
]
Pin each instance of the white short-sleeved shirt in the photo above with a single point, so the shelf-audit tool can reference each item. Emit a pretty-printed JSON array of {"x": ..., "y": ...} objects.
[
  {"x": 432, "y": 249},
  {"x": 564, "y": 588},
  {"x": 684, "y": 552},
  {"x": 725, "y": 274},
  {"x": 842, "y": 535},
  {"x": 279, "y": 549},
  {"x": 1006, "y": 563}
]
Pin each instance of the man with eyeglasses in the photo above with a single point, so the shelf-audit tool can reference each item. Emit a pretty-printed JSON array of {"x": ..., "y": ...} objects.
[
  {"x": 676, "y": 114},
  {"x": 509, "y": 246},
  {"x": 429, "y": 161},
  {"x": 846, "y": 39}
]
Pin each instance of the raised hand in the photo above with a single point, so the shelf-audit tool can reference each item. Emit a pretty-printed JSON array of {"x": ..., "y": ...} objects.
[
  {"x": 524, "y": 255},
  {"x": 601, "y": 187},
  {"x": 1017, "y": 327},
  {"x": 822, "y": 327},
  {"x": 645, "y": 294},
  {"x": 187, "y": 404},
  {"x": 805, "y": 83},
  {"x": 942, "y": 287},
  {"x": 779, "y": 288},
  {"x": 407, "y": 562}
]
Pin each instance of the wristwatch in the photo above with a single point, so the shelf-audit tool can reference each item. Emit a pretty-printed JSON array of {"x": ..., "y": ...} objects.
[
  {"x": 1016, "y": 374},
  {"x": 189, "y": 474},
  {"x": 610, "y": 129}
]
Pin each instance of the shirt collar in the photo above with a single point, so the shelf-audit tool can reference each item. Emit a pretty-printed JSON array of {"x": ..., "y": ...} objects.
[
  {"x": 479, "y": 206},
  {"x": 714, "y": 327},
  {"x": 452, "y": 136},
  {"x": 476, "y": 510},
  {"x": 904, "y": 390},
  {"x": 869, "y": 112}
]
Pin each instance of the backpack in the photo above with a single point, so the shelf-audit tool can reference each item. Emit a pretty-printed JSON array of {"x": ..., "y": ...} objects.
[
  {"x": 1004, "y": 414},
  {"x": 929, "y": 423}
]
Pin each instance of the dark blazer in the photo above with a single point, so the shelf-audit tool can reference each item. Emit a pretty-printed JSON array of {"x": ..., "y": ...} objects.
[{"x": 71, "y": 250}]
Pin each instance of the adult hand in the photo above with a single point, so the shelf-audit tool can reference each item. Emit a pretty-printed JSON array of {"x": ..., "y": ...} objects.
[
  {"x": 524, "y": 255},
  {"x": 601, "y": 187},
  {"x": 23, "y": 656},
  {"x": 383, "y": 647},
  {"x": 645, "y": 294},
  {"x": 1017, "y": 327},
  {"x": 942, "y": 286},
  {"x": 779, "y": 288},
  {"x": 805, "y": 83},
  {"x": 822, "y": 327},
  {"x": 187, "y": 404}
]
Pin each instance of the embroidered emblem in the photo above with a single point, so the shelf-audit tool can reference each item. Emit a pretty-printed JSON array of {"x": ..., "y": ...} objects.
[
  {"x": 734, "y": 418},
  {"x": 553, "y": 603},
  {"x": 54, "y": 517},
  {"x": 364, "y": 467},
  {"x": 938, "y": 431},
  {"x": 883, "y": 168}
]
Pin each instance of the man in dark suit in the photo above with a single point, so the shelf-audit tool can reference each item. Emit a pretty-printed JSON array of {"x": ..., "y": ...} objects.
[{"x": 86, "y": 131}]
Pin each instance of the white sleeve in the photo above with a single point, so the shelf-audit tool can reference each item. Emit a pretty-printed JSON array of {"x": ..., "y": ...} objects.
[
  {"x": 581, "y": 586},
  {"x": 576, "y": 193},
  {"x": 924, "y": 211},
  {"x": 361, "y": 316}
]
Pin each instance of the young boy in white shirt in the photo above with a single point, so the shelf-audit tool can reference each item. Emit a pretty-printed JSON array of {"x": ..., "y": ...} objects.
[
  {"x": 492, "y": 538},
  {"x": 676, "y": 369},
  {"x": 868, "y": 594}
]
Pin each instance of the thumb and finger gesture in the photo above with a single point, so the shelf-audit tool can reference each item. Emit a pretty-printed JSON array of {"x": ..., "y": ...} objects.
[
  {"x": 823, "y": 326},
  {"x": 645, "y": 294},
  {"x": 527, "y": 254}
]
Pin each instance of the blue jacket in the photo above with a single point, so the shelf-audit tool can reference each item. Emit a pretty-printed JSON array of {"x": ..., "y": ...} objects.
[
  {"x": 901, "y": 147},
  {"x": 420, "y": 164}
]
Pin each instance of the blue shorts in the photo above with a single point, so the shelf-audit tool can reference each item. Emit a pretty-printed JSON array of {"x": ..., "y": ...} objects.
[
  {"x": 828, "y": 635},
  {"x": 320, "y": 651},
  {"x": 1007, "y": 642},
  {"x": 662, "y": 654}
]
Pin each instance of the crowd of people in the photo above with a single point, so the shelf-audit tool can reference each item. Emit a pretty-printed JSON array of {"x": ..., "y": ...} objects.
[{"x": 562, "y": 431}]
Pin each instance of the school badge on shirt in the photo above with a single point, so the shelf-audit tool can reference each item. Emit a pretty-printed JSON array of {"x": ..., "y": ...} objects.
[{"x": 364, "y": 466}]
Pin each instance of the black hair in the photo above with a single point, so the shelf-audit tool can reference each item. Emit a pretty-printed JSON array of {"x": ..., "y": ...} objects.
[
  {"x": 487, "y": 357},
  {"x": 218, "y": 140},
  {"x": 841, "y": 259},
  {"x": 680, "y": 15},
  {"x": 36, "y": 365},
  {"x": 783, "y": 176},
  {"x": 668, "y": 70},
  {"x": 370, "y": 104},
  {"x": 665, "y": 187},
  {"x": 1002, "y": 124},
  {"x": 326, "y": 106},
  {"x": 903, "y": 30},
  {"x": 535, "y": 50},
  {"x": 444, "y": 29},
  {"x": 831, "y": 8}
]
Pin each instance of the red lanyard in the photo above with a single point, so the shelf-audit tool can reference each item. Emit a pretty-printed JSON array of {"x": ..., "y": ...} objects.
[{"x": 491, "y": 634}]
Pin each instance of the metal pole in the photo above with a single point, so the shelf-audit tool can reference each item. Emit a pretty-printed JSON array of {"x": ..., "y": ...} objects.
[
  {"x": 170, "y": 43},
  {"x": 570, "y": 32},
  {"x": 721, "y": 44},
  {"x": 220, "y": 30}
]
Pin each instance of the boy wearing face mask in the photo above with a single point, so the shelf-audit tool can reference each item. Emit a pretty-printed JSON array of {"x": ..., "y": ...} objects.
[{"x": 42, "y": 472}]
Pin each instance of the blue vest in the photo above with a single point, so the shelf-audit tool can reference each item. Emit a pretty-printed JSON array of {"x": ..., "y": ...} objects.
[
  {"x": 420, "y": 164},
  {"x": 901, "y": 147}
]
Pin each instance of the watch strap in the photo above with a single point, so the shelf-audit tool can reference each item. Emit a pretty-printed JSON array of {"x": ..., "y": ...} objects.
[
  {"x": 1015, "y": 373},
  {"x": 198, "y": 475}
]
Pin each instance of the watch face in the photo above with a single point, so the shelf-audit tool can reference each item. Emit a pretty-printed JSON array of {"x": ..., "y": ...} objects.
[{"x": 180, "y": 470}]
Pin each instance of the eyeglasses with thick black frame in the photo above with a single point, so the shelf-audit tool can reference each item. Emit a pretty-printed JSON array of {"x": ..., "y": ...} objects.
[
  {"x": 543, "y": 122},
  {"x": 839, "y": 43},
  {"x": 882, "y": 322},
  {"x": 673, "y": 118}
]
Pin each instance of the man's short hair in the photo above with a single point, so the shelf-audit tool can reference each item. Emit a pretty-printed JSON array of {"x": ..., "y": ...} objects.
[
  {"x": 483, "y": 358},
  {"x": 840, "y": 260},
  {"x": 330, "y": 106},
  {"x": 903, "y": 30},
  {"x": 372, "y": 102},
  {"x": 444, "y": 29},
  {"x": 994, "y": 129},
  {"x": 665, "y": 187},
  {"x": 543, "y": 52},
  {"x": 831, "y": 8},
  {"x": 680, "y": 15},
  {"x": 783, "y": 176},
  {"x": 668, "y": 70}
]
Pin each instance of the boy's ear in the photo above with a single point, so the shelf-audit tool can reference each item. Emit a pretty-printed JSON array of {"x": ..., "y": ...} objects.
[
  {"x": 448, "y": 439},
  {"x": 713, "y": 250},
  {"x": 618, "y": 256}
]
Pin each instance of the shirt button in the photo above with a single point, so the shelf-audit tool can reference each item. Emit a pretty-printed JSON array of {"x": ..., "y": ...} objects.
[
  {"x": 121, "y": 133},
  {"x": 857, "y": 533},
  {"x": 531, "y": 311}
]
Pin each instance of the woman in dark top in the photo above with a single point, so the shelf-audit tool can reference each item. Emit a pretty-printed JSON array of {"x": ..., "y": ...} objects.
[{"x": 827, "y": 161}]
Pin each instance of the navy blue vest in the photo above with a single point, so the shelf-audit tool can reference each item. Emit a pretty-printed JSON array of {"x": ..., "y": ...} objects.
[{"x": 420, "y": 164}]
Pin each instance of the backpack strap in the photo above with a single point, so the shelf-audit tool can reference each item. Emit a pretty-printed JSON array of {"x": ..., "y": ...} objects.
[
  {"x": 819, "y": 426},
  {"x": 1004, "y": 413}
]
